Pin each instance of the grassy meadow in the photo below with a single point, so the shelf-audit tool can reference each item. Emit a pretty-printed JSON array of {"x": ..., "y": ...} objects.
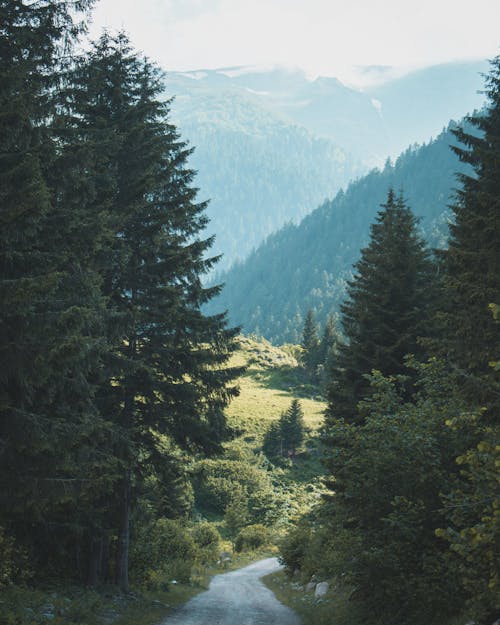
[{"x": 271, "y": 381}]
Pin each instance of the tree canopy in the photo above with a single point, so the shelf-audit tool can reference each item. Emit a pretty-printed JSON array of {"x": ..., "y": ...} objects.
[
  {"x": 387, "y": 307},
  {"x": 110, "y": 368}
]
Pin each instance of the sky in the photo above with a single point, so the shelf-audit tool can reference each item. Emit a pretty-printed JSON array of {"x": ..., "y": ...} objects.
[{"x": 322, "y": 37}]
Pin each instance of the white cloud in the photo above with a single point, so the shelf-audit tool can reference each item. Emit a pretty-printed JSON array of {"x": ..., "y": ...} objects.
[{"x": 322, "y": 36}]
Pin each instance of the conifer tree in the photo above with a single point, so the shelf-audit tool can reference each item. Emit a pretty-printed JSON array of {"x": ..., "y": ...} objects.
[
  {"x": 386, "y": 310},
  {"x": 49, "y": 303},
  {"x": 310, "y": 343},
  {"x": 470, "y": 345},
  {"x": 272, "y": 444},
  {"x": 328, "y": 340},
  {"x": 292, "y": 427},
  {"x": 472, "y": 261},
  {"x": 166, "y": 373},
  {"x": 287, "y": 434}
]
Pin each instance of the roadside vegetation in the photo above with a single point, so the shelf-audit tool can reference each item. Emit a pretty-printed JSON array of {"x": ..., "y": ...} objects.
[
  {"x": 239, "y": 505},
  {"x": 410, "y": 525}
]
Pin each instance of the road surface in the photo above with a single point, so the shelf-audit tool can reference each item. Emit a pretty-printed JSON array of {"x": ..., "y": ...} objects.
[{"x": 237, "y": 598}]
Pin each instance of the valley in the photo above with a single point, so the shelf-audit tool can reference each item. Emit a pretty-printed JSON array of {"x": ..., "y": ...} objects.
[{"x": 249, "y": 317}]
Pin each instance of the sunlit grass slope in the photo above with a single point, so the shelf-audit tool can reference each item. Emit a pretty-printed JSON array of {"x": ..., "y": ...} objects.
[{"x": 272, "y": 380}]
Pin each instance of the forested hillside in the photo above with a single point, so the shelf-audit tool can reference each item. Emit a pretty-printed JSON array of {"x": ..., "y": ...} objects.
[
  {"x": 145, "y": 443},
  {"x": 409, "y": 530},
  {"x": 306, "y": 266},
  {"x": 116, "y": 442},
  {"x": 258, "y": 171},
  {"x": 370, "y": 122},
  {"x": 272, "y": 145}
]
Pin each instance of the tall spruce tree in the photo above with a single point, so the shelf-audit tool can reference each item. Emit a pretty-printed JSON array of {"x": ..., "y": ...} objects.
[
  {"x": 387, "y": 308},
  {"x": 167, "y": 372},
  {"x": 49, "y": 303},
  {"x": 469, "y": 344},
  {"x": 472, "y": 261}
]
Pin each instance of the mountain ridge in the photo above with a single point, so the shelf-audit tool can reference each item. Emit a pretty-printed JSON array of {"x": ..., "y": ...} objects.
[
  {"x": 307, "y": 265},
  {"x": 271, "y": 146}
]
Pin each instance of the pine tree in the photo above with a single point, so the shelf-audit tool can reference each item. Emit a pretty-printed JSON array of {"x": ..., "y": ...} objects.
[
  {"x": 292, "y": 427},
  {"x": 470, "y": 346},
  {"x": 327, "y": 352},
  {"x": 272, "y": 445},
  {"x": 386, "y": 310},
  {"x": 329, "y": 339},
  {"x": 310, "y": 343},
  {"x": 167, "y": 372},
  {"x": 236, "y": 514},
  {"x": 50, "y": 304},
  {"x": 284, "y": 436},
  {"x": 472, "y": 260}
]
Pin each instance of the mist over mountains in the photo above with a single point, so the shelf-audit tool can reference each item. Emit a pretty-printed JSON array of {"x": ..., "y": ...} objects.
[
  {"x": 306, "y": 266},
  {"x": 272, "y": 145}
]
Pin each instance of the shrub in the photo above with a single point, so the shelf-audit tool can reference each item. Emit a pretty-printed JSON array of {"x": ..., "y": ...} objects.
[
  {"x": 217, "y": 482},
  {"x": 206, "y": 538},
  {"x": 293, "y": 547},
  {"x": 13, "y": 561},
  {"x": 162, "y": 551},
  {"x": 252, "y": 537}
]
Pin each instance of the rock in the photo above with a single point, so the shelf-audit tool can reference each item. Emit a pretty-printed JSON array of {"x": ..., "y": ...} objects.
[
  {"x": 321, "y": 589},
  {"x": 159, "y": 604},
  {"x": 48, "y": 611},
  {"x": 310, "y": 586},
  {"x": 108, "y": 616}
]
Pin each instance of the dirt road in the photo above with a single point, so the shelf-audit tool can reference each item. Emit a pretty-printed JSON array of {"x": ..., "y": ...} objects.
[{"x": 237, "y": 598}]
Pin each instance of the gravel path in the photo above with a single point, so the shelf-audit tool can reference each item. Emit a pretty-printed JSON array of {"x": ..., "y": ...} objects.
[{"x": 237, "y": 598}]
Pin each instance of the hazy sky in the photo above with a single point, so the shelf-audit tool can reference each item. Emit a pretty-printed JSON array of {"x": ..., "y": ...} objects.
[{"x": 321, "y": 36}]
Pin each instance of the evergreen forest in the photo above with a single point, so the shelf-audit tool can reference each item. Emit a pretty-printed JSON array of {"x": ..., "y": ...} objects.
[
  {"x": 307, "y": 265},
  {"x": 334, "y": 405}
]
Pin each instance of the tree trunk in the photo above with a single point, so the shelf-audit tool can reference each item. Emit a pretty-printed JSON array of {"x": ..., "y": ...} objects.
[
  {"x": 94, "y": 559},
  {"x": 124, "y": 537},
  {"x": 105, "y": 558}
]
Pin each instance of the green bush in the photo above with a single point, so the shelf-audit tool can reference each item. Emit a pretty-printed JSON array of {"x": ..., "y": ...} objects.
[
  {"x": 293, "y": 547},
  {"x": 216, "y": 482},
  {"x": 252, "y": 537},
  {"x": 14, "y": 566},
  {"x": 207, "y": 539},
  {"x": 162, "y": 551},
  {"x": 216, "y": 493}
]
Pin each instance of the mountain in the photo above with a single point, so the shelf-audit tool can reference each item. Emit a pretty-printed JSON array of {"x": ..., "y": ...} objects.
[
  {"x": 307, "y": 265},
  {"x": 259, "y": 169},
  {"x": 371, "y": 123},
  {"x": 271, "y": 145},
  {"x": 416, "y": 106}
]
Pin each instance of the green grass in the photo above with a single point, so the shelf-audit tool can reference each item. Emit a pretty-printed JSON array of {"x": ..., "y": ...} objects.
[
  {"x": 70, "y": 605},
  {"x": 334, "y": 609},
  {"x": 75, "y": 605},
  {"x": 152, "y": 608},
  {"x": 271, "y": 382},
  {"x": 273, "y": 378}
]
